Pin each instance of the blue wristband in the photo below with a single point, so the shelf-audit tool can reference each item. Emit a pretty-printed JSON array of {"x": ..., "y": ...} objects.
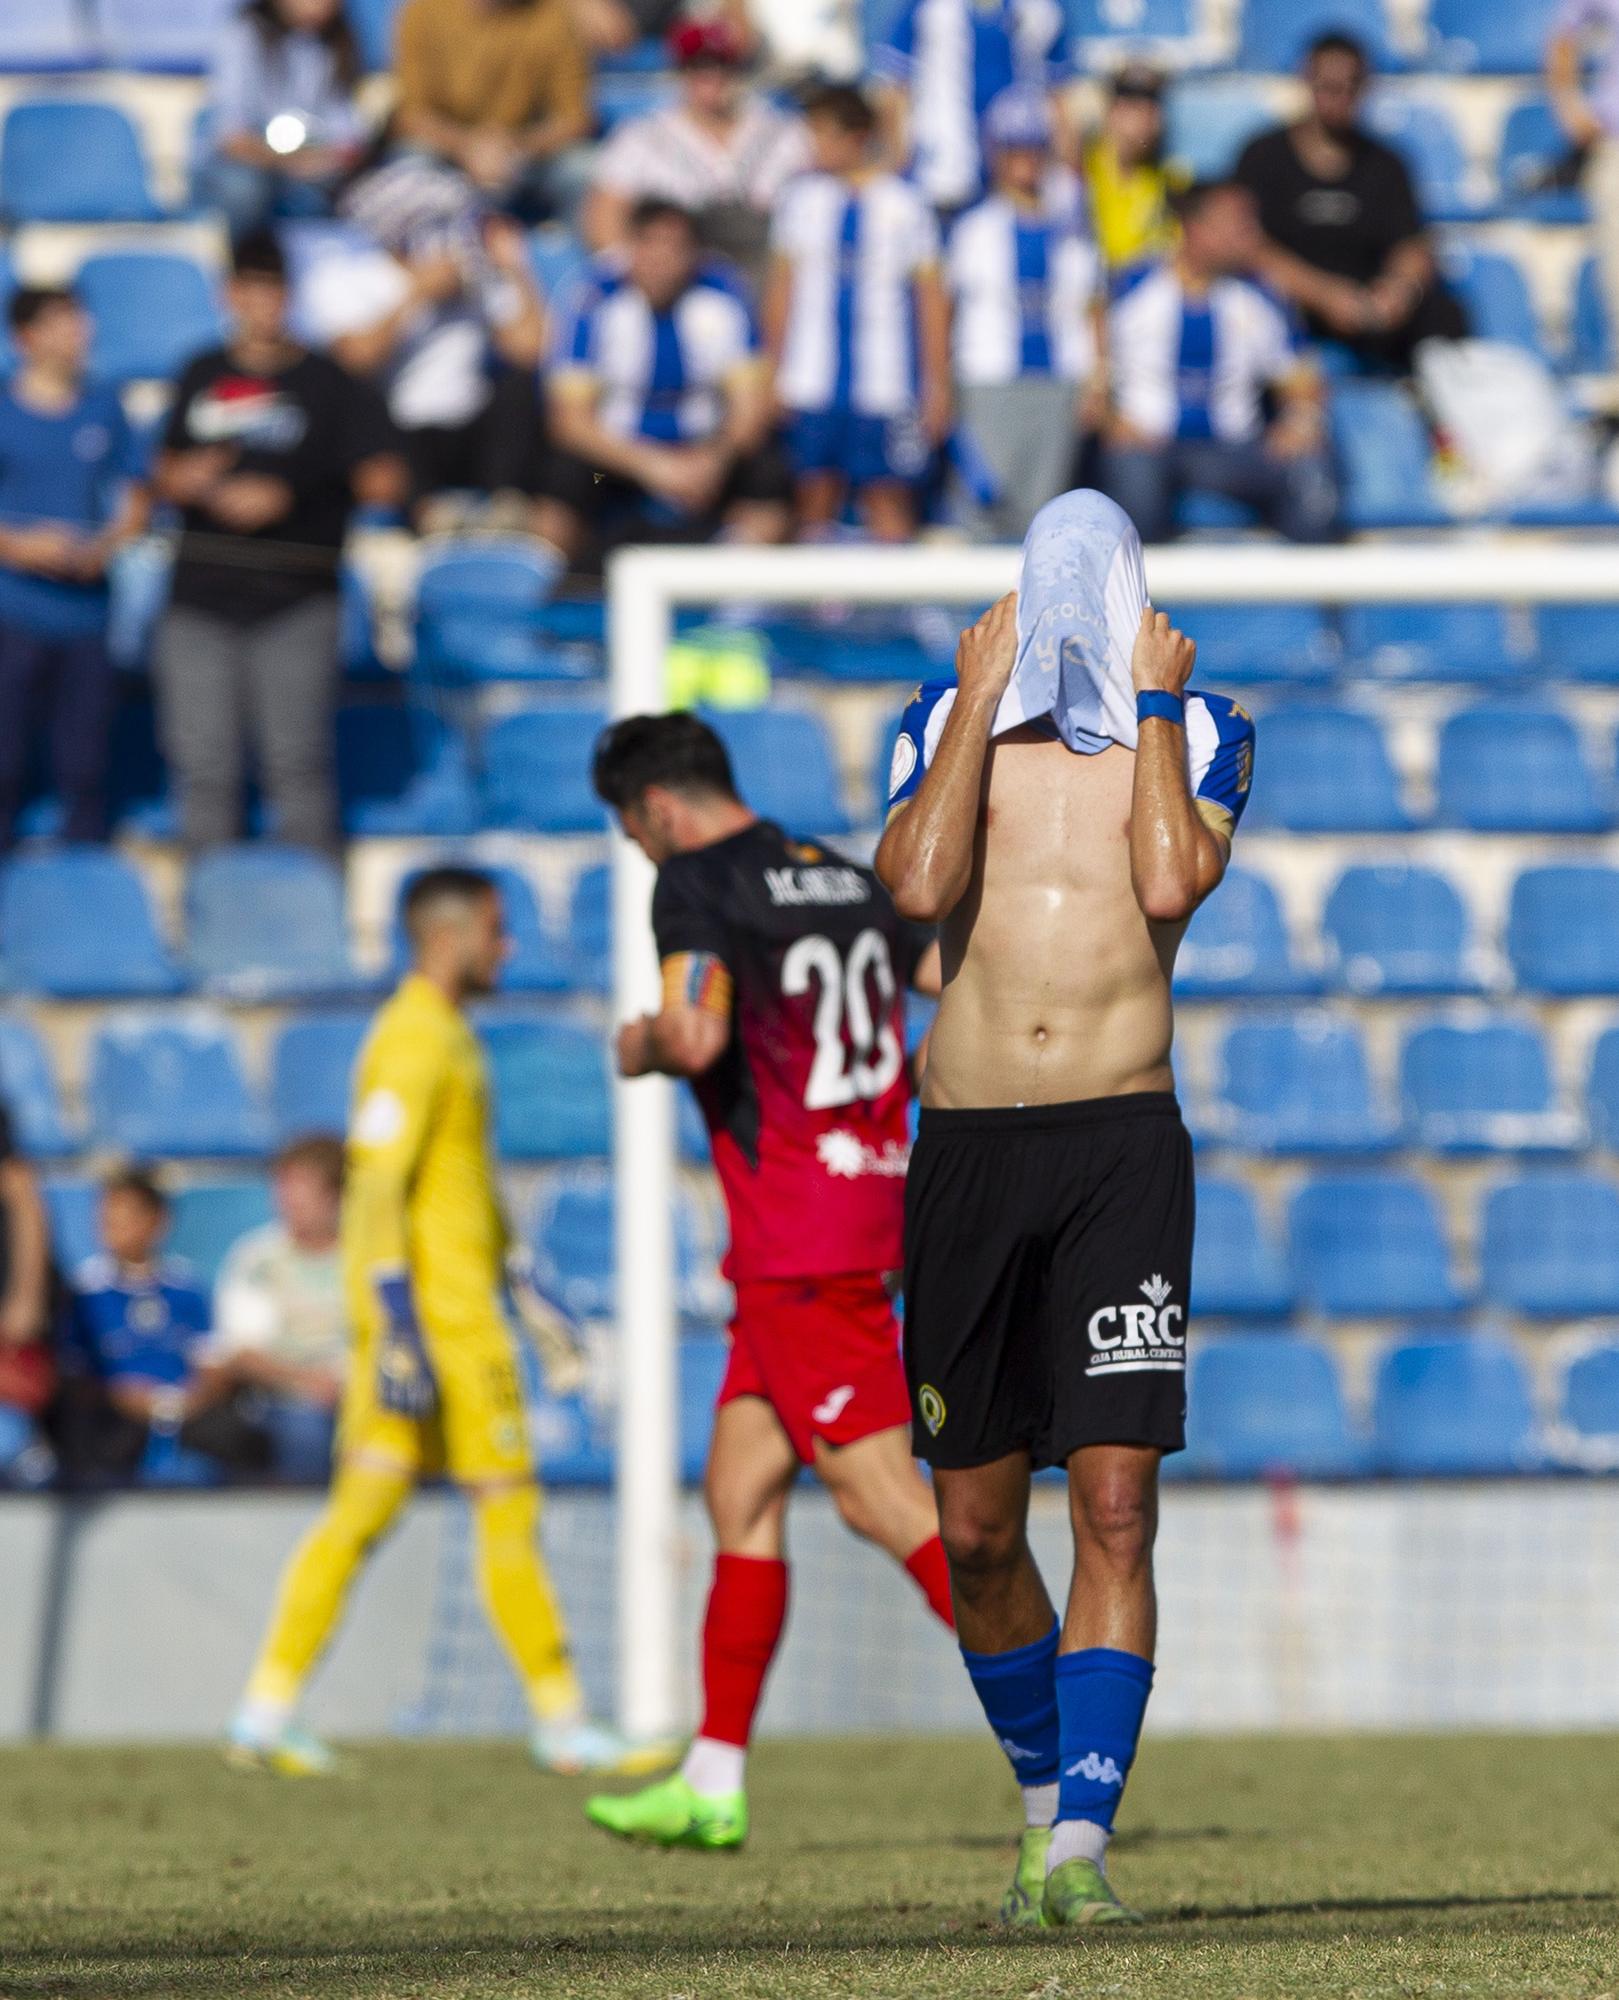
[{"x": 1166, "y": 707}]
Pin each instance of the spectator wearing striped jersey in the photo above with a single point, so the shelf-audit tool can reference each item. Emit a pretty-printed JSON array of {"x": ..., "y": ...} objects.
[
  {"x": 659, "y": 403},
  {"x": 1028, "y": 328},
  {"x": 721, "y": 150},
  {"x": 1210, "y": 391},
  {"x": 857, "y": 324}
]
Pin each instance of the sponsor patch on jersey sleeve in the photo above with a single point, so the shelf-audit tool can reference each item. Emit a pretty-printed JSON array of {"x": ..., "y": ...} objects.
[
  {"x": 380, "y": 1119},
  {"x": 1220, "y": 749},
  {"x": 920, "y": 728}
]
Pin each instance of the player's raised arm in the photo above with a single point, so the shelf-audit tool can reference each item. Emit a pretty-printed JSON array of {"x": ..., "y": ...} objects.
[
  {"x": 691, "y": 1030},
  {"x": 1176, "y": 858},
  {"x": 925, "y": 858}
]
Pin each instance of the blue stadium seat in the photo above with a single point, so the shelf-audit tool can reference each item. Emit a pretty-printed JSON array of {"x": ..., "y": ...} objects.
[
  {"x": 538, "y": 963},
  {"x": 1590, "y": 338},
  {"x": 373, "y": 24},
  {"x": 1424, "y": 134},
  {"x": 1516, "y": 769},
  {"x": 1550, "y": 1245},
  {"x": 1384, "y": 456},
  {"x": 210, "y": 1216},
  {"x": 1563, "y": 930},
  {"x": 172, "y": 1084},
  {"x": 1534, "y": 147},
  {"x": 1588, "y": 1408},
  {"x": 1433, "y": 642},
  {"x": 177, "y": 36},
  {"x": 573, "y": 1442},
  {"x": 1298, "y": 1085},
  {"x": 1483, "y": 1086},
  {"x": 784, "y": 767},
  {"x": 1579, "y": 642},
  {"x": 1238, "y": 943},
  {"x": 1248, "y": 644},
  {"x": 590, "y": 929},
  {"x": 152, "y": 310},
  {"x": 71, "y": 161},
  {"x": 478, "y": 605},
  {"x": 536, "y": 771},
  {"x": 401, "y": 772},
  {"x": 268, "y": 923},
  {"x": 1267, "y": 1405},
  {"x": 1399, "y": 930},
  {"x": 77, "y": 925},
  {"x": 310, "y": 1068},
  {"x": 1211, "y": 120},
  {"x": 47, "y": 35},
  {"x": 1500, "y": 37},
  {"x": 70, "y": 1210},
  {"x": 1237, "y": 1271},
  {"x": 1602, "y": 1091},
  {"x": 1371, "y": 1246},
  {"x": 1496, "y": 294},
  {"x": 1327, "y": 770},
  {"x": 549, "y": 1086},
  {"x": 573, "y": 1247},
  {"x": 29, "y": 1093},
  {"x": 1277, "y": 33},
  {"x": 1458, "y": 1408},
  {"x": 1134, "y": 21}
]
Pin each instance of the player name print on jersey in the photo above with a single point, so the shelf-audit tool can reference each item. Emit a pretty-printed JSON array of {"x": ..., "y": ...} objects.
[{"x": 788, "y": 887}]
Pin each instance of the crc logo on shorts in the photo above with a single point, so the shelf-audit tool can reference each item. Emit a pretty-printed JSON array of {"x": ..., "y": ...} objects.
[
  {"x": 931, "y": 1404},
  {"x": 1127, "y": 1340}
]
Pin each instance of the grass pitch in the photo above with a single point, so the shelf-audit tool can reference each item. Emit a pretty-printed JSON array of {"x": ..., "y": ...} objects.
[{"x": 1409, "y": 1866}]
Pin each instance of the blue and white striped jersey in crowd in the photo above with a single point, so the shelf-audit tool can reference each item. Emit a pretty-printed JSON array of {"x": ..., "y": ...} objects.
[
  {"x": 952, "y": 58},
  {"x": 661, "y": 375},
  {"x": 1196, "y": 368},
  {"x": 855, "y": 251},
  {"x": 1023, "y": 287}
]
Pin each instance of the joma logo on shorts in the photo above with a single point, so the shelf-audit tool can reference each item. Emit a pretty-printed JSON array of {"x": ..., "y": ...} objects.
[{"x": 1128, "y": 1339}]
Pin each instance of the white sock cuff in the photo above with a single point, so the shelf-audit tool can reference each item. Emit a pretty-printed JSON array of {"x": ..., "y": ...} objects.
[
  {"x": 1077, "y": 1840},
  {"x": 1039, "y": 1804},
  {"x": 714, "y": 1769}
]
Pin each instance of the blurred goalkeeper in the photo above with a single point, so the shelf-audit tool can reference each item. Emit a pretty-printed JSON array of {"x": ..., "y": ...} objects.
[
  {"x": 784, "y": 973},
  {"x": 434, "y": 1384}
]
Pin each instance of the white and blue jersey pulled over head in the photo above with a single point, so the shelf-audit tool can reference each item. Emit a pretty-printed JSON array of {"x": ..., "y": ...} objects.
[{"x": 1080, "y": 598}]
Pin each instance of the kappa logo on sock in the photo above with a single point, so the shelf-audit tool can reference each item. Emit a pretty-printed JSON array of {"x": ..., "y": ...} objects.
[
  {"x": 1017, "y": 1752},
  {"x": 837, "y": 1401},
  {"x": 1100, "y": 1770},
  {"x": 1128, "y": 1340}
]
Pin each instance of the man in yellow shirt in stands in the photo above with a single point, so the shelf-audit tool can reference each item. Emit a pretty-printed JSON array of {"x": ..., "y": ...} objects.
[
  {"x": 433, "y": 1385},
  {"x": 1128, "y": 179}
]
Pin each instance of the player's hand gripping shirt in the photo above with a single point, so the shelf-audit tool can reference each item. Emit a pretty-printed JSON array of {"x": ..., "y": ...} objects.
[
  {"x": 807, "y": 1108},
  {"x": 420, "y": 1195}
]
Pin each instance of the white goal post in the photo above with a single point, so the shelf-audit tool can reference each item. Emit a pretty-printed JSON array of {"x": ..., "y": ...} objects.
[{"x": 645, "y": 586}]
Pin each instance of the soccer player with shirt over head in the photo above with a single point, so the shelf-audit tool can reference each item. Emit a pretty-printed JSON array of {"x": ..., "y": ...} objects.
[{"x": 784, "y": 969}]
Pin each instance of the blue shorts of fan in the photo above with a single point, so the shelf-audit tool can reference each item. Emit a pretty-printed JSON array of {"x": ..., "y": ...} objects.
[{"x": 862, "y": 450}]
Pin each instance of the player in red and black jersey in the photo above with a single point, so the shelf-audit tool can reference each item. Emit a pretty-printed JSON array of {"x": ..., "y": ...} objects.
[{"x": 784, "y": 976}]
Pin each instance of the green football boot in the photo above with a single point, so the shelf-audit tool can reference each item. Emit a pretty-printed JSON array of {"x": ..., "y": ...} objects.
[
  {"x": 1021, "y": 1903},
  {"x": 1077, "y": 1892},
  {"x": 290, "y": 1752},
  {"x": 671, "y": 1814}
]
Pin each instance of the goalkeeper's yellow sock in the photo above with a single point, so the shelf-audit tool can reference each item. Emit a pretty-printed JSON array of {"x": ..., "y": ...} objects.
[
  {"x": 521, "y": 1603},
  {"x": 314, "y": 1586}
]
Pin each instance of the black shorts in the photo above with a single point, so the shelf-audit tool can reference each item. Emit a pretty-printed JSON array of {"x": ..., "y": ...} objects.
[{"x": 1048, "y": 1254}]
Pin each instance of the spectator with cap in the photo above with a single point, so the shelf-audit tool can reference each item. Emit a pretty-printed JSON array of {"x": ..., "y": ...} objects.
[
  {"x": 280, "y": 1325},
  {"x": 660, "y": 402},
  {"x": 857, "y": 325},
  {"x": 1129, "y": 182},
  {"x": 267, "y": 451},
  {"x": 69, "y": 500},
  {"x": 1198, "y": 351},
  {"x": 1345, "y": 240},
  {"x": 283, "y": 122},
  {"x": 722, "y": 151},
  {"x": 1028, "y": 329},
  {"x": 1589, "y": 116},
  {"x": 499, "y": 89},
  {"x": 610, "y": 27},
  {"x": 439, "y": 312}
]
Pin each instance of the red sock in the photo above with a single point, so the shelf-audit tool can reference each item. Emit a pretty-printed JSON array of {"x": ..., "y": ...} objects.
[
  {"x": 927, "y": 1564},
  {"x": 747, "y": 1607}
]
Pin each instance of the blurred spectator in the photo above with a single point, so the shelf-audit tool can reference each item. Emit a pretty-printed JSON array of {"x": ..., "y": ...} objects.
[
  {"x": 1028, "y": 330},
  {"x": 1126, "y": 176},
  {"x": 280, "y": 1326},
  {"x": 943, "y": 62},
  {"x": 285, "y": 126},
  {"x": 266, "y": 451},
  {"x": 1589, "y": 114},
  {"x": 858, "y": 326},
  {"x": 659, "y": 403},
  {"x": 441, "y": 315},
  {"x": 610, "y": 27},
  {"x": 28, "y": 1310},
  {"x": 1196, "y": 349},
  {"x": 141, "y": 1329},
  {"x": 1345, "y": 240},
  {"x": 68, "y": 501},
  {"x": 722, "y": 151},
  {"x": 498, "y": 88},
  {"x": 810, "y": 40}
]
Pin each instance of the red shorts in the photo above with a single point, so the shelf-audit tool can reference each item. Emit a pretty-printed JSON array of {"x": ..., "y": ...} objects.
[{"x": 823, "y": 1353}]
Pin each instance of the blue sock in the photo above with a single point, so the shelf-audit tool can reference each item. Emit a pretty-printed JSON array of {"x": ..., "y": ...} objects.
[
  {"x": 1101, "y": 1698},
  {"x": 1019, "y": 1694}
]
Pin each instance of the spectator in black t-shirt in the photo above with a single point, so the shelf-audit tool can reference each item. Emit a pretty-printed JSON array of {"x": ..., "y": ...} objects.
[
  {"x": 267, "y": 451},
  {"x": 1345, "y": 238}
]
